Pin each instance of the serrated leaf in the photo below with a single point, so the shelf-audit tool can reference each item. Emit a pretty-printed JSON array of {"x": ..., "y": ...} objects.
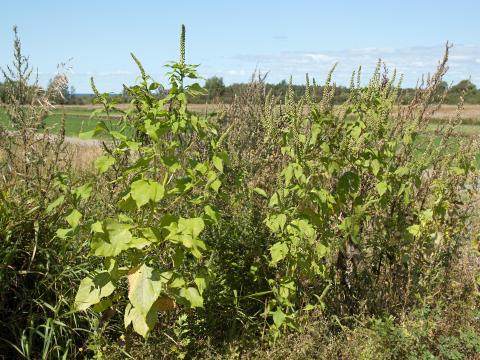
[{"x": 93, "y": 289}]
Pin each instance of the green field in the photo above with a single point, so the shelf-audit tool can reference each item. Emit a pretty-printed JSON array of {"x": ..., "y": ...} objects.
[{"x": 76, "y": 120}]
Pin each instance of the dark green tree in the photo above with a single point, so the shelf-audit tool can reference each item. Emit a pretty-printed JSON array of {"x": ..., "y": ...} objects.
[{"x": 215, "y": 87}]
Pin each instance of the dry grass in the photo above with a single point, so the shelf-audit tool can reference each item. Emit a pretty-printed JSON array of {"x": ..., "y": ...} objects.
[{"x": 83, "y": 153}]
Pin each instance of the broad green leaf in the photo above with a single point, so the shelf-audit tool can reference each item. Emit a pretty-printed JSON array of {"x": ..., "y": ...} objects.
[
  {"x": 113, "y": 241},
  {"x": 218, "y": 163},
  {"x": 375, "y": 164},
  {"x": 274, "y": 200},
  {"x": 276, "y": 223},
  {"x": 278, "y": 317},
  {"x": 414, "y": 229},
  {"x": 201, "y": 281},
  {"x": 54, "y": 204},
  {"x": 288, "y": 173},
  {"x": 402, "y": 171},
  {"x": 103, "y": 163},
  {"x": 138, "y": 243},
  {"x": 212, "y": 214},
  {"x": 96, "y": 227},
  {"x": 215, "y": 185},
  {"x": 301, "y": 228},
  {"x": 192, "y": 226},
  {"x": 157, "y": 191},
  {"x": 93, "y": 289},
  {"x": 356, "y": 132},
  {"x": 144, "y": 287},
  {"x": 73, "y": 219},
  {"x": 278, "y": 252},
  {"x": 87, "y": 134},
  {"x": 193, "y": 297},
  {"x": 63, "y": 233},
  {"x": 186, "y": 231},
  {"x": 382, "y": 187},
  {"x": 140, "y": 192},
  {"x": 260, "y": 192},
  {"x": 83, "y": 192}
]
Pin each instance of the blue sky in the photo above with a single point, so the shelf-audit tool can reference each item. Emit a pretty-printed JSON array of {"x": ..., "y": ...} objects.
[{"x": 232, "y": 38}]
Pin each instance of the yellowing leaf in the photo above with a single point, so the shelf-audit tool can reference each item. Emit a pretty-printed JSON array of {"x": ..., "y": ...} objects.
[{"x": 144, "y": 287}]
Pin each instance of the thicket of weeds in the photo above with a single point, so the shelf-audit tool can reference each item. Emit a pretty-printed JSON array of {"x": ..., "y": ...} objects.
[{"x": 275, "y": 228}]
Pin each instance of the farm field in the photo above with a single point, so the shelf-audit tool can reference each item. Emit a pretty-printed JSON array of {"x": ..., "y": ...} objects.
[{"x": 78, "y": 118}]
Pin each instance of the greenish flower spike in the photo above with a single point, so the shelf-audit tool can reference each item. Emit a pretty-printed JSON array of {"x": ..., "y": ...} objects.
[{"x": 182, "y": 46}]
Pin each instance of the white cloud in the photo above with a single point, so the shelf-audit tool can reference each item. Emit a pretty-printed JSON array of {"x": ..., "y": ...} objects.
[{"x": 413, "y": 62}]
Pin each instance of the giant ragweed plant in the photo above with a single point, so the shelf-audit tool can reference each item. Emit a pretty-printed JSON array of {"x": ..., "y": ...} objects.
[{"x": 165, "y": 165}]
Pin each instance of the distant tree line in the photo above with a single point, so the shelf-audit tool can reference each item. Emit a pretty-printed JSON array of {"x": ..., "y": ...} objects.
[{"x": 219, "y": 92}]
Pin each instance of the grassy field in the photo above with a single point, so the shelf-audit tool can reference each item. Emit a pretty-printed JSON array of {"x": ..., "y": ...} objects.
[{"x": 78, "y": 118}]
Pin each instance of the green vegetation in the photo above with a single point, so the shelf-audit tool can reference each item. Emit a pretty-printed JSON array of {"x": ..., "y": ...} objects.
[{"x": 279, "y": 227}]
